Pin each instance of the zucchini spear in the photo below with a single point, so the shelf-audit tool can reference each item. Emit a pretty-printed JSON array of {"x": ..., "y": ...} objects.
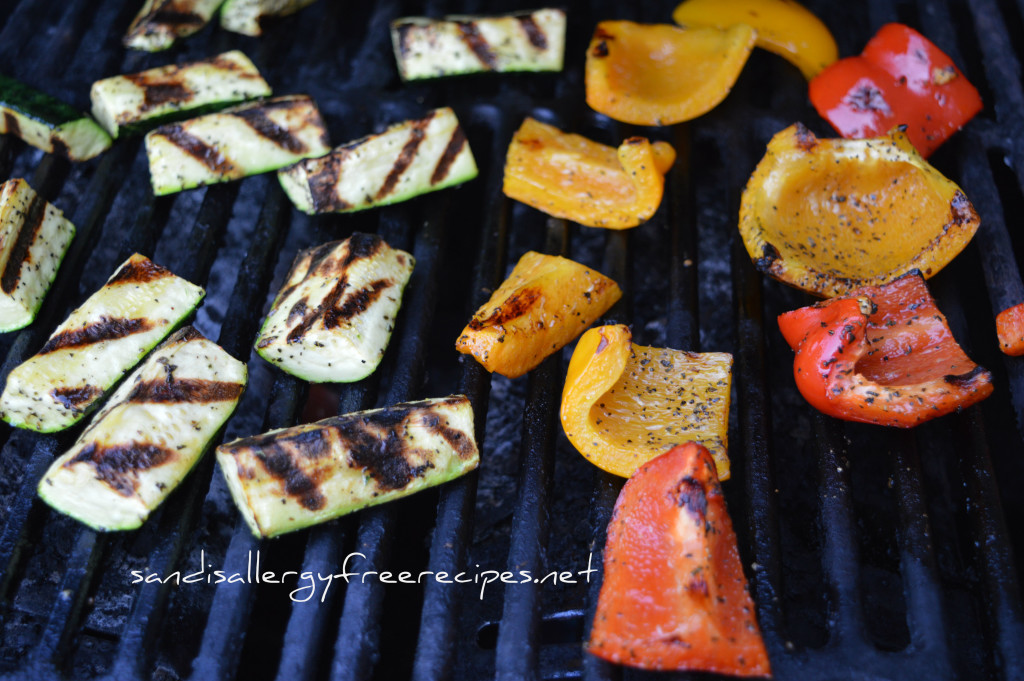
[
  {"x": 34, "y": 236},
  {"x": 150, "y": 434},
  {"x": 160, "y": 22},
  {"x": 136, "y": 101},
  {"x": 245, "y": 140},
  {"x": 292, "y": 478},
  {"x": 246, "y": 16},
  {"x": 406, "y": 160},
  {"x": 333, "y": 318},
  {"x": 94, "y": 347}
]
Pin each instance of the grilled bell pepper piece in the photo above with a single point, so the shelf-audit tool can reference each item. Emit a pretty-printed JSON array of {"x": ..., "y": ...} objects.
[
  {"x": 545, "y": 303},
  {"x": 1010, "y": 329},
  {"x": 572, "y": 177},
  {"x": 658, "y": 74},
  {"x": 625, "y": 404},
  {"x": 901, "y": 78},
  {"x": 784, "y": 27},
  {"x": 674, "y": 596},
  {"x": 829, "y": 215},
  {"x": 882, "y": 354}
]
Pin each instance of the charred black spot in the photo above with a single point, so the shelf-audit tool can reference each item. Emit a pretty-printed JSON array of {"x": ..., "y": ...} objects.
[
  {"x": 455, "y": 438},
  {"x": 477, "y": 43},
  {"x": 690, "y": 495},
  {"x": 175, "y": 18},
  {"x": 405, "y": 157},
  {"x": 805, "y": 139},
  {"x": 192, "y": 390},
  {"x": 977, "y": 375},
  {"x": 356, "y": 303},
  {"x": 516, "y": 305},
  {"x": 73, "y": 398},
  {"x": 298, "y": 309},
  {"x": 961, "y": 210},
  {"x": 444, "y": 164},
  {"x": 157, "y": 90},
  {"x": 138, "y": 271},
  {"x": 279, "y": 462},
  {"x": 257, "y": 119},
  {"x": 23, "y": 242},
  {"x": 118, "y": 465},
  {"x": 867, "y": 98},
  {"x": 11, "y": 125},
  {"x": 380, "y": 451},
  {"x": 361, "y": 246},
  {"x": 698, "y": 585},
  {"x": 769, "y": 256},
  {"x": 533, "y": 32},
  {"x": 107, "y": 328},
  {"x": 196, "y": 148},
  {"x": 59, "y": 147},
  {"x": 600, "y": 50}
]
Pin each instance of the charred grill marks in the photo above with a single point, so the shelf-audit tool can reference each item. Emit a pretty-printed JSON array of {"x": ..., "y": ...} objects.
[
  {"x": 257, "y": 119},
  {"x": 356, "y": 303},
  {"x": 323, "y": 183},
  {"x": 444, "y": 164},
  {"x": 470, "y": 34},
  {"x": 280, "y": 463},
  {"x": 455, "y": 438},
  {"x": 196, "y": 148},
  {"x": 516, "y": 305},
  {"x": 191, "y": 390},
  {"x": 533, "y": 32},
  {"x": 383, "y": 455},
  {"x": 691, "y": 496},
  {"x": 107, "y": 328},
  {"x": 138, "y": 271},
  {"x": 23, "y": 242},
  {"x": 72, "y": 398},
  {"x": 160, "y": 90},
  {"x": 405, "y": 157},
  {"x": 11, "y": 126},
  {"x": 118, "y": 465}
]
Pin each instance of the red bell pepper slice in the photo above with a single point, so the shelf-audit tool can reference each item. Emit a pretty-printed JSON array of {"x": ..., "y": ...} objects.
[
  {"x": 901, "y": 78},
  {"x": 1010, "y": 329},
  {"x": 674, "y": 596},
  {"x": 882, "y": 354}
]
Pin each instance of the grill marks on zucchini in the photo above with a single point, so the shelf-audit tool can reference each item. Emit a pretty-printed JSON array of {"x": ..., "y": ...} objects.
[
  {"x": 119, "y": 465},
  {"x": 160, "y": 22},
  {"x": 105, "y": 329},
  {"x": 292, "y": 478},
  {"x": 26, "y": 236},
  {"x": 247, "y": 16},
  {"x": 206, "y": 154},
  {"x": 258, "y": 120},
  {"x": 470, "y": 34},
  {"x": 407, "y": 159}
]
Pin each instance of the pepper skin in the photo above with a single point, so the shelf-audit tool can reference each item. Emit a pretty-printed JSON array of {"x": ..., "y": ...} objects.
[
  {"x": 901, "y": 78},
  {"x": 674, "y": 596},
  {"x": 1010, "y": 329},
  {"x": 882, "y": 354}
]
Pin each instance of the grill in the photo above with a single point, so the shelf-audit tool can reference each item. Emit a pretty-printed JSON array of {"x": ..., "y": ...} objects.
[{"x": 872, "y": 553}]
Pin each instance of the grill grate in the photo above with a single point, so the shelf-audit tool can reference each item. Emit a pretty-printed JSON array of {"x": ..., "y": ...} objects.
[{"x": 871, "y": 554}]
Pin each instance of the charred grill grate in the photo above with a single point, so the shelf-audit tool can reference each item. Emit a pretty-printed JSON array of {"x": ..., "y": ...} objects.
[{"x": 872, "y": 554}]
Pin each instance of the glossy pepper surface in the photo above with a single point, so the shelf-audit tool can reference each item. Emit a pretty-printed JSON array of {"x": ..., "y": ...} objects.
[
  {"x": 674, "y": 596},
  {"x": 572, "y": 177},
  {"x": 784, "y": 27},
  {"x": 1010, "y": 329},
  {"x": 882, "y": 354},
  {"x": 901, "y": 78}
]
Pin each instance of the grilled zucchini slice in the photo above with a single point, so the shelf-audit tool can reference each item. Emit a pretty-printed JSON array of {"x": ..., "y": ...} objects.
[
  {"x": 137, "y": 101},
  {"x": 137, "y": 308},
  {"x": 333, "y": 318},
  {"x": 246, "y": 16},
  {"x": 34, "y": 236},
  {"x": 47, "y": 123},
  {"x": 292, "y": 478},
  {"x": 160, "y": 22},
  {"x": 406, "y": 160},
  {"x": 245, "y": 140},
  {"x": 524, "y": 41},
  {"x": 150, "y": 434}
]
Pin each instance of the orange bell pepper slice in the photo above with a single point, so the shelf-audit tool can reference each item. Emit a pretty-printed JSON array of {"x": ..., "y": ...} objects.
[
  {"x": 784, "y": 27},
  {"x": 624, "y": 404},
  {"x": 884, "y": 355},
  {"x": 1010, "y": 329},
  {"x": 572, "y": 177},
  {"x": 674, "y": 597},
  {"x": 658, "y": 74},
  {"x": 543, "y": 305}
]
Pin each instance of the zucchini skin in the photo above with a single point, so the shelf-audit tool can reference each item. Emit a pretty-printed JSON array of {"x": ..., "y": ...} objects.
[
  {"x": 408, "y": 159},
  {"x": 96, "y": 345},
  {"x": 136, "y": 102},
  {"x": 160, "y": 22},
  {"x": 148, "y": 437},
  {"x": 455, "y": 45},
  {"x": 49, "y": 124},
  {"x": 246, "y": 16},
  {"x": 296, "y": 477},
  {"x": 245, "y": 140},
  {"x": 34, "y": 238},
  {"x": 332, "y": 320}
]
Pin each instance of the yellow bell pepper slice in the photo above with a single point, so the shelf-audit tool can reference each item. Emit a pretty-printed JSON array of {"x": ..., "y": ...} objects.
[
  {"x": 543, "y": 305},
  {"x": 658, "y": 74},
  {"x": 572, "y": 177},
  {"x": 784, "y": 27},
  {"x": 625, "y": 404}
]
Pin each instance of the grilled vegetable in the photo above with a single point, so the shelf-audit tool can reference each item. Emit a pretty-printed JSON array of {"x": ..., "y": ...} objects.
[
  {"x": 784, "y": 27},
  {"x": 288, "y": 479},
  {"x": 160, "y": 22},
  {"x": 94, "y": 347},
  {"x": 569, "y": 176},
  {"x": 246, "y": 16},
  {"x": 245, "y": 140},
  {"x": 882, "y": 354},
  {"x": 139, "y": 100},
  {"x": 545, "y": 303},
  {"x": 406, "y": 160},
  {"x": 829, "y": 215},
  {"x": 333, "y": 318},
  {"x": 47, "y": 123},
  {"x": 1010, "y": 330},
  {"x": 656, "y": 74},
  {"x": 624, "y": 404},
  {"x": 146, "y": 439},
  {"x": 524, "y": 41},
  {"x": 674, "y": 596},
  {"x": 34, "y": 236}
]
